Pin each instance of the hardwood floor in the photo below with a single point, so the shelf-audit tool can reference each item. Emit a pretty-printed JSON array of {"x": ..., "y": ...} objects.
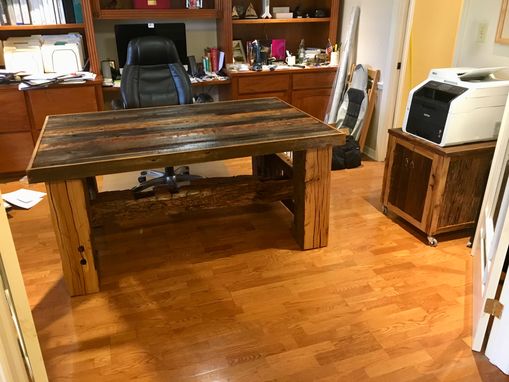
[{"x": 227, "y": 296}]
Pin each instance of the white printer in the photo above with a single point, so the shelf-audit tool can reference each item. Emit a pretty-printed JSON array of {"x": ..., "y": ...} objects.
[{"x": 458, "y": 105}]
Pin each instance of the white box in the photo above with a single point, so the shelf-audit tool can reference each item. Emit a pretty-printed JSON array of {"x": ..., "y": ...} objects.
[
  {"x": 23, "y": 54},
  {"x": 280, "y": 9},
  {"x": 62, "y": 53},
  {"x": 285, "y": 15}
]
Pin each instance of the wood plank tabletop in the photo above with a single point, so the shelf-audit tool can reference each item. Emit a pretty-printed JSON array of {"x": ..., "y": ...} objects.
[{"x": 88, "y": 144}]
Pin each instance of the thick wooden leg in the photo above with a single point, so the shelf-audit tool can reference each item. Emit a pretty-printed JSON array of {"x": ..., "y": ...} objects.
[
  {"x": 311, "y": 174},
  {"x": 68, "y": 202}
]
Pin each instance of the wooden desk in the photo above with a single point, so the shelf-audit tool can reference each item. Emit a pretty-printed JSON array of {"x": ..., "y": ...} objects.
[{"x": 74, "y": 148}]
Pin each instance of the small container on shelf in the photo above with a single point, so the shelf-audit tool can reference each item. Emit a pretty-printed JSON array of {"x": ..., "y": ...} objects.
[
  {"x": 151, "y": 4},
  {"x": 194, "y": 4}
]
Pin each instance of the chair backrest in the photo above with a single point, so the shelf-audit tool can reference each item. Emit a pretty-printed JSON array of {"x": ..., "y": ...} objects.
[{"x": 153, "y": 74}]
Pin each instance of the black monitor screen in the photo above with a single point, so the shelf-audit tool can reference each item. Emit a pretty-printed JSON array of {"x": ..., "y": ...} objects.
[{"x": 174, "y": 31}]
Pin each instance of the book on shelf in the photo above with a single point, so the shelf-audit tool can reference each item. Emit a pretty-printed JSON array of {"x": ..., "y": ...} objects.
[
  {"x": 25, "y": 12},
  {"x": 4, "y": 15},
  {"x": 40, "y": 12}
]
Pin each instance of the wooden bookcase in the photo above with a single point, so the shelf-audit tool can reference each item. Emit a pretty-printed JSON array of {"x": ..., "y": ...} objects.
[
  {"x": 314, "y": 31},
  {"x": 22, "y": 113},
  {"x": 436, "y": 189}
]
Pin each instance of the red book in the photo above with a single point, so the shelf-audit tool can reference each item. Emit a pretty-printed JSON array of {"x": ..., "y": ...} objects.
[{"x": 214, "y": 59}]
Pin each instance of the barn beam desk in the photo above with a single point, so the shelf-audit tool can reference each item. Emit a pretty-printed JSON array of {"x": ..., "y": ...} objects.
[{"x": 74, "y": 148}]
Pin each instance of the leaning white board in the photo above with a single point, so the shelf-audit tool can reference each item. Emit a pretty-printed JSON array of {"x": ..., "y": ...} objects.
[{"x": 341, "y": 73}]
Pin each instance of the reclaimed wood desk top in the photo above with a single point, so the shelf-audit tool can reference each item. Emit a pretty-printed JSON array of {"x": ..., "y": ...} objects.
[{"x": 82, "y": 145}]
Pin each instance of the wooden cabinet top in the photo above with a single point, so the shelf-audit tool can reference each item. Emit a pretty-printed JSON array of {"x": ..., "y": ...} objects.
[
  {"x": 447, "y": 151},
  {"x": 282, "y": 71}
]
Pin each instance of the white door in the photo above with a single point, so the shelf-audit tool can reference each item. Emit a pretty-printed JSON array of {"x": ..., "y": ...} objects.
[
  {"x": 497, "y": 349},
  {"x": 20, "y": 354},
  {"x": 492, "y": 237}
]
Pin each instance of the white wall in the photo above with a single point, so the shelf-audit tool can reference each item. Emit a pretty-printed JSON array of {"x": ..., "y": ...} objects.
[
  {"x": 379, "y": 31},
  {"x": 469, "y": 51},
  {"x": 199, "y": 35}
]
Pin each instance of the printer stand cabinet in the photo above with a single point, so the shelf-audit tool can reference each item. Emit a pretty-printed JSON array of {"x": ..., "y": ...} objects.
[{"x": 436, "y": 189}]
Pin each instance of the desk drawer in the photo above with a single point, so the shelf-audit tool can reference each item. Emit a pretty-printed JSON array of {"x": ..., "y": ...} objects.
[
  {"x": 264, "y": 83},
  {"x": 313, "y": 80}
]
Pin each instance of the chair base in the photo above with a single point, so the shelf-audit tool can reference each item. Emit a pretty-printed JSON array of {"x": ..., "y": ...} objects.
[{"x": 173, "y": 178}]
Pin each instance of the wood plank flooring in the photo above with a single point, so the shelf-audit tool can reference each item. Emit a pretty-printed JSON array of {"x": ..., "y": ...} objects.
[{"x": 227, "y": 296}]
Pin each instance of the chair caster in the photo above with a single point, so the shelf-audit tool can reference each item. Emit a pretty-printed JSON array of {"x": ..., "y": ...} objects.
[
  {"x": 182, "y": 170},
  {"x": 385, "y": 210},
  {"x": 432, "y": 242},
  {"x": 142, "y": 179}
]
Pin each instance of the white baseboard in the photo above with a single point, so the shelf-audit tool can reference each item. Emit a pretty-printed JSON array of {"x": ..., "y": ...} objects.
[{"x": 370, "y": 152}]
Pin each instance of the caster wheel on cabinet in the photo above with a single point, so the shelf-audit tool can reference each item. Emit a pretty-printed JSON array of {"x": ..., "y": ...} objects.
[
  {"x": 432, "y": 242},
  {"x": 385, "y": 210}
]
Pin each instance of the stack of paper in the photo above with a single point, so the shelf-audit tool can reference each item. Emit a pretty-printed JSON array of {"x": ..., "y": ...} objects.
[{"x": 23, "y": 198}]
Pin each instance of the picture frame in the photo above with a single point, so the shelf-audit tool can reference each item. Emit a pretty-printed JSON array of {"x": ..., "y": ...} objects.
[
  {"x": 239, "y": 55},
  {"x": 502, "y": 36}
]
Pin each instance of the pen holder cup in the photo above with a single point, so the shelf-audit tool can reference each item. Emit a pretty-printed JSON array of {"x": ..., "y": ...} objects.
[
  {"x": 290, "y": 60},
  {"x": 334, "y": 58}
]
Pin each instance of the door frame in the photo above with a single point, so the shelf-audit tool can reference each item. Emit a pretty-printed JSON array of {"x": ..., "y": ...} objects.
[
  {"x": 14, "y": 279},
  {"x": 402, "y": 15}
]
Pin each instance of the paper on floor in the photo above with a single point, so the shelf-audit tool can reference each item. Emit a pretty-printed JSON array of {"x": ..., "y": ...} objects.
[{"x": 23, "y": 198}]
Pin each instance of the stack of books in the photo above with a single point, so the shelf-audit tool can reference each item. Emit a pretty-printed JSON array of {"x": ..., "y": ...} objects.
[
  {"x": 213, "y": 60},
  {"x": 40, "y": 12}
]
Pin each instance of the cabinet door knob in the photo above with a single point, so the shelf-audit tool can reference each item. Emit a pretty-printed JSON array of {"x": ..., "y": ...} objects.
[
  {"x": 406, "y": 162},
  {"x": 412, "y": 164}
]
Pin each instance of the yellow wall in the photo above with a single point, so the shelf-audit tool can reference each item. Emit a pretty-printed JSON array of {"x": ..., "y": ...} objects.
[{"x": 432, "y": 41}]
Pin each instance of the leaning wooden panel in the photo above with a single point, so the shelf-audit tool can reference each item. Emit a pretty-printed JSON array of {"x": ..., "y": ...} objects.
[
  {"x": 312, "y": 196},
  {"x": 68, "y": 205}
]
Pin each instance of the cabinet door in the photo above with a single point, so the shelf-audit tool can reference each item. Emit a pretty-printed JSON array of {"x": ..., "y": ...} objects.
[
  {"x": 62, "y": 100},
  {"x": 313, "y": 101},
  {"x": 15, "y": 152},
  {"x": 408, "y": 188},
  {"x": 14, "y": 112}
]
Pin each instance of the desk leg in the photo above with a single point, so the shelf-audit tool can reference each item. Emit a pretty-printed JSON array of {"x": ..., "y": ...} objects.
[
  {"x": 68, "y": 205},
  {"x": 311, "y": 174}
]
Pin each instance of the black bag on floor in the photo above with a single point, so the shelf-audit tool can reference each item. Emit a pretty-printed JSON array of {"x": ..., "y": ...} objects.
[{"x": 347, "y": 155}]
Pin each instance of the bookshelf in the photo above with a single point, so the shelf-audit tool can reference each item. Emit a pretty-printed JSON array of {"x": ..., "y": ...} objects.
[
  {"x": 22, "y": 113},
  {"x": 62, "y": 28}
]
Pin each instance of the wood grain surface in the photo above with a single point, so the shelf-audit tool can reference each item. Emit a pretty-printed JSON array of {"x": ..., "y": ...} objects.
[
  {"x": 89, "y": 144},
  {"x": 228, "y": 296}
]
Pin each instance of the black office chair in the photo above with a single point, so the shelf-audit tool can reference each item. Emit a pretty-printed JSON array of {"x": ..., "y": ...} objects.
[{"x": 154, "y": 76}]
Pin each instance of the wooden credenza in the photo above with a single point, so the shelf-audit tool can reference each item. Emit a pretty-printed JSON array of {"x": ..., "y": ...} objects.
[
  {"x": 22, "y": 115},
  {"x": 436, "y": 189},
  {"x": 306, "y": 89}
]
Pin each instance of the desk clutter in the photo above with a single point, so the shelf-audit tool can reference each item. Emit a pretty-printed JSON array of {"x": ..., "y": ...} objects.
[
  {"x": 38, "y": 54},
  {"x": 273, "y": 54}
]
